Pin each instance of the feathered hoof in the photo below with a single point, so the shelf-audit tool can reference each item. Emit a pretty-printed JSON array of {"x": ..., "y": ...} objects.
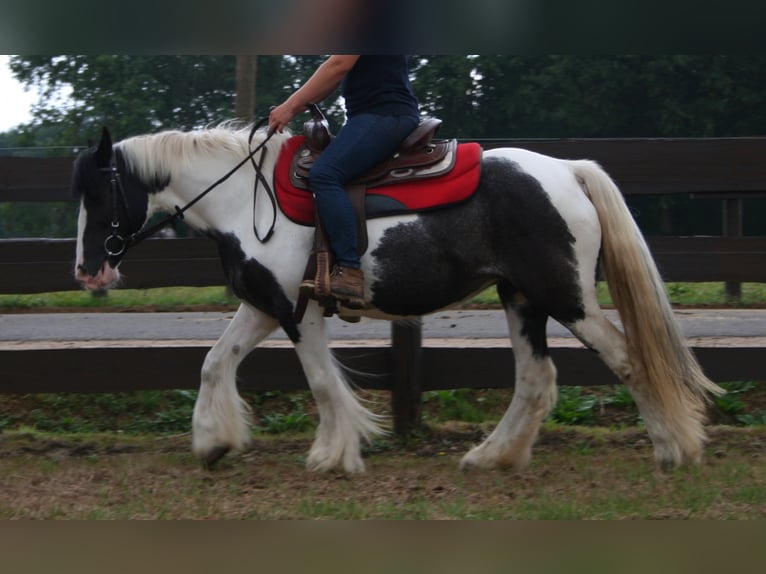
[
  {"x": 474, "y": 461},
  {"x": 212, "y": 457},
  {"x": 347, "y": 465},
  {"x": 667, "y": 465}
]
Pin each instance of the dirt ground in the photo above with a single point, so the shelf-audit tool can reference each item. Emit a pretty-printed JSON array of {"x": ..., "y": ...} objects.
[{"x": 575, "y": 473}]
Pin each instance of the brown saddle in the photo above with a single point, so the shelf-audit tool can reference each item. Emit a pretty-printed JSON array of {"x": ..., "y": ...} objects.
[{"x": 418, "y": 157}]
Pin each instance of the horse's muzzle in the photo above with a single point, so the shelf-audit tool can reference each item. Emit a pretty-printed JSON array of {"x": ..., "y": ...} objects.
[{"x": 104, "y": 278}]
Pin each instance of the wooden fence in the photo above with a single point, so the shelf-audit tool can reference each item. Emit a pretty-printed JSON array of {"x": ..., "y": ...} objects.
[{"x": 729, "y": 169}]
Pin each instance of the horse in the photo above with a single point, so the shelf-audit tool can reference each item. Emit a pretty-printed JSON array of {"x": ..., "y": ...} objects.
[{"x": 539, "y": 228}]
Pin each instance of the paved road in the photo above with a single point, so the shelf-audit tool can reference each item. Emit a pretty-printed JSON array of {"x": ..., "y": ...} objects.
[{"x": 447, "y": 324}]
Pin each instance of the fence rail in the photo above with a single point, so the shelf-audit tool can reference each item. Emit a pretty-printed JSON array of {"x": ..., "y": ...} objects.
[
  {"x": 44, "y": 265},
  {"x": 730, "y": 169},
  {"x": 661, "y": 166}
]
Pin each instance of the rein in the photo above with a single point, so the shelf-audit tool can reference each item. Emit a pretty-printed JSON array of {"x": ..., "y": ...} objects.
[{"x": 115, "y": 244}]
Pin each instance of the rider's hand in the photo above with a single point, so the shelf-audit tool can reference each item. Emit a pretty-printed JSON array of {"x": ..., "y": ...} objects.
[{"x": 281, "y": 115}]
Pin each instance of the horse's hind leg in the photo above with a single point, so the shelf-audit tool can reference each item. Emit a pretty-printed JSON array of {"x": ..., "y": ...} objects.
[
  {"x": 510, "y": 444},
  {"x": 221, "y": 420},
  {"x": 671, "y": 439},
  {"x": 343, "y": 421}
]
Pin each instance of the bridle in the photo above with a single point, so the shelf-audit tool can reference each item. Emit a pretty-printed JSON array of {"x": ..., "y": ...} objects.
[{"x": 116, "y": 245}]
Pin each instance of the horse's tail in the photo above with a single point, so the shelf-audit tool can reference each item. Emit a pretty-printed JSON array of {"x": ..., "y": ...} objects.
[{"x": 656, "y": 346}]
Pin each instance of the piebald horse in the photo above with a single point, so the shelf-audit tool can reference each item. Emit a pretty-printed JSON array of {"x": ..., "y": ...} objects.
[{"x": 536, "y": 227}]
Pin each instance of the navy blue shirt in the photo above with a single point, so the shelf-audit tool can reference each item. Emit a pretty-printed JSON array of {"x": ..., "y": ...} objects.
[{"x": 379, "y": 85}]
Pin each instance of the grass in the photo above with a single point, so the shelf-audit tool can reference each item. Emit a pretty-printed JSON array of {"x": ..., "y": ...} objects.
[
  {"x": 144, "y": 412},
  {"x": 171, "y": 297},
  {"x": 164, "y": 413},
  {"x": 607, "y": 407},
  {"x": 681, "y": 294},
  {"x": 48, "y": 476},
  {"x": 126, "y": 455}
]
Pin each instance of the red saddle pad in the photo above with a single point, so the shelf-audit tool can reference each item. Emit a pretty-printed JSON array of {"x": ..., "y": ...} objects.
[{"x": 453, "y": 187}]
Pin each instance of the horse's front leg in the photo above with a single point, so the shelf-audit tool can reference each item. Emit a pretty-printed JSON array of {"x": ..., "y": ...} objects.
[
  {"x": 221, "y": 420},
  {"x": 343, "y": 421}
]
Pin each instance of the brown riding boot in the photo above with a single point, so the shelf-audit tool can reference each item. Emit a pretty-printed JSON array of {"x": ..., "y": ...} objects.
[{"x": 347, "y": 285}]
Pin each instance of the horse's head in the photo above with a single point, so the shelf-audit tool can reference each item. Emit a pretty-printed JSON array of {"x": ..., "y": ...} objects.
[{"x": 113, "y": 205}]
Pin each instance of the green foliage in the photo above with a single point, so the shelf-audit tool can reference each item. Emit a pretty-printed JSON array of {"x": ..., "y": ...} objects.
[
  {"x": 456, "y": 404},
  {"x": 135, "y": 94},
  {"x": 732, "y": 404},
  {"x": 573, "y": 407},
  {"x": 50, "y": 220},
  {"x": 169, "y": 412},
  {"x": 754, "y": 419},
  {"x": 478, "y": 97},
  {"x": 295, "y": 420},
  {"x": 622, "y": 397},
  {"x": 129, "y": 94},
  {"x": 447, "y": 89},
  {"x": 140, "y": 412},
  {"x": 158, "y": 297},
  {"x": 143, "y": 412},
  {"x": 278, "y": 423},
  {"x": 485, "y": 96},
  {"x": 593, "y": 96},
  {"x": 707, "y": 293}
]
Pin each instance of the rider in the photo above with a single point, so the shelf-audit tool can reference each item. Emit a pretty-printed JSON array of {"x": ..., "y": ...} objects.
[{"x": 381, "y": 111}]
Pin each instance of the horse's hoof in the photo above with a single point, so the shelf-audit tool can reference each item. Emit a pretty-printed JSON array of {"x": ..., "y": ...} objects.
[
  {"x": 216, "y": 454},
  {"x": 468, "y": 464}
]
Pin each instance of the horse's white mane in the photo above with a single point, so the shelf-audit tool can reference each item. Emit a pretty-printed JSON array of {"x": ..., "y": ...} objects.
[{"x": 166, "y": 152}]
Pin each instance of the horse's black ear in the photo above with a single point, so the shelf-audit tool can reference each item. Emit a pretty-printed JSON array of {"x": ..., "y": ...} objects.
[{"x": 104, "y": 150}]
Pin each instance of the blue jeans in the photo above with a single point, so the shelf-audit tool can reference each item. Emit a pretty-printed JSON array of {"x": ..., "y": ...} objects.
[{"x": 364, "y": 141}]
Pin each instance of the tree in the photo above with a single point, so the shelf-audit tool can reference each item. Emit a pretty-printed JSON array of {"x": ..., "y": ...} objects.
[
  {"x": 130, "y": 94},
  {"x": 244, "y": 104},
  {"x": 447, "y": 88},
  {"x": 142, "y": 94},
  {"x": 483, "y": 96}
]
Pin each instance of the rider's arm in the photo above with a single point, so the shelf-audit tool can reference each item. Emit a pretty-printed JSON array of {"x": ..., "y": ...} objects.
[{"x": 321, "y": 84}]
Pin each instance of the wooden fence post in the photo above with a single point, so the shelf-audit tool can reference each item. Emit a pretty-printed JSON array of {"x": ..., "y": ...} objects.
[
  {"x": 406, "y": 387},
  {"x": 732, "y": 227}
]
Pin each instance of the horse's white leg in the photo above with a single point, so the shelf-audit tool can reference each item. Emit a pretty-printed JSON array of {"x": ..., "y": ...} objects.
[
  {"x": 534, "y": 395},
  {"x": 221, "y": 420},
  {"x": 343, "y": 421}
]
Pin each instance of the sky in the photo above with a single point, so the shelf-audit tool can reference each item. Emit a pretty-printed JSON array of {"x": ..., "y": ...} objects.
[{"x": 15, "y": 103}]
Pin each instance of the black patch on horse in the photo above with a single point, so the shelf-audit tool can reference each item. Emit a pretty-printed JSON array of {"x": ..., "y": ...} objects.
[
  {"x": 508, "y": 231},
  {"x": 534, "y": 321},
  {"x": 91, "y": 181},
  {"x": 252, "y": 282}
]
